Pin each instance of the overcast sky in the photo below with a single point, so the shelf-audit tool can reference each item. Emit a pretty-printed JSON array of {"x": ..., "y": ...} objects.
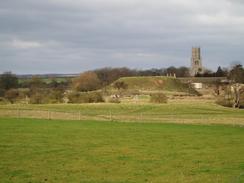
[{"x": 70, "y": 36}]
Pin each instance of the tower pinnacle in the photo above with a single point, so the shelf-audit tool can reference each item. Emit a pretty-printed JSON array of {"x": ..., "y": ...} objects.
[{"x": 196, "y": 61}]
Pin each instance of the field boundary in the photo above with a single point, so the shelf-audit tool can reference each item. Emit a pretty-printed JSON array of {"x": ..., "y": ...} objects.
[{"x": 109, "y": 116}]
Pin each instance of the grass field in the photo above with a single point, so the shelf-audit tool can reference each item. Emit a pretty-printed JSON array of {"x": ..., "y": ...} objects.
[
  {"x": 148, "y": 148},
  {"x": 183, "y": 111},
  {"x": 36, "y": 151}
]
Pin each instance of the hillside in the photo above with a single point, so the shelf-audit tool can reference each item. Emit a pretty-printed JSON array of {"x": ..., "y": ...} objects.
[{"x": 157, "y": 83}]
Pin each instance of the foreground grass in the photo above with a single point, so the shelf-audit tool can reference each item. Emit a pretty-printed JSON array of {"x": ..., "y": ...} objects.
[{"x": 90, "y": 151}]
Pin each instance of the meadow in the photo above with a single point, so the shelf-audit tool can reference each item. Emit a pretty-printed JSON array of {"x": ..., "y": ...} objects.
[
  {"x": 175, "y": 111},
  {"x": 34, "y": 150},
  {"x": 185, "y": 141}
]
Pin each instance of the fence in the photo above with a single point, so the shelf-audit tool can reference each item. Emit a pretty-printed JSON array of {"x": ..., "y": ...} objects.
[
  {"x": 49, "y": 114},
  {"x": 122, "y": 117},
  {"x": 78, "y": 115},
  {"x": 70, "y": 115}
]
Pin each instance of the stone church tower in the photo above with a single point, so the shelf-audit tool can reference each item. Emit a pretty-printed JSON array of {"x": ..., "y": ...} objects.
[{"x": 196, "y": 61}]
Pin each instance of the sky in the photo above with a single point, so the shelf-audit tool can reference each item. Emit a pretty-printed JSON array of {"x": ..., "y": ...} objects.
[{"x": 72, "y": 36}]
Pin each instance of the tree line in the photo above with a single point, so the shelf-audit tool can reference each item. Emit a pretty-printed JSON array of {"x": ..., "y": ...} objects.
[{"x": 35, "y": 90}]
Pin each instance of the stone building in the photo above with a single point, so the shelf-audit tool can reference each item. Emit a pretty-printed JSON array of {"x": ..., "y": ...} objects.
[{"x": 196, "y": 61}]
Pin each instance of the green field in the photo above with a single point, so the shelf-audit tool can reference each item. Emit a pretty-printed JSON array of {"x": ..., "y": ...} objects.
[
  {"x": 93, "y": 151},
  {"x": 101, "y": 147},
  {"x": 182, "y": 111}
]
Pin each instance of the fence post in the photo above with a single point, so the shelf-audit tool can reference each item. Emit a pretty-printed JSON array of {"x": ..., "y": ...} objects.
[
  {"x": 49, "y": 114},
  {"x": 79, "y": 115},
  {"x": 110, "y": 115},
  {"x": 18, "y": 113}
]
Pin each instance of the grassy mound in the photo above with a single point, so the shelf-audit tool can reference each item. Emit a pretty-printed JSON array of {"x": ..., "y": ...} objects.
[{"x": 157, "y": 83}]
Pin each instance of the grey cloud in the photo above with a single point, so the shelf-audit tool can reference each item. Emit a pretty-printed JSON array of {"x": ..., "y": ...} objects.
[{"x": 76, "y": 35}]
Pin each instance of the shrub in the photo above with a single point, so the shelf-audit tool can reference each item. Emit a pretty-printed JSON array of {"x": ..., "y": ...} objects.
[
  {"x": 24, "y": 92},
  {"x": 120, "y": 85},
  {"x": 36, "y": 83},
  {"x": 56, "y": 96},
  {"x": 229, "y": 98},
  {"x": 38, "y": 98},
  {"x": 45, "y": 96},
  {"x": 229, "y": 102},
  {"x": 91, "y": 97},
  {"x": 3, "y": 100},
  {"x": 158, "y": 98},
  {"x": 85, "y": 97},
  {"x": 12, "y": 95},
  {"x": 226, "y": 102},
  {"x": 73, "y": 97}
]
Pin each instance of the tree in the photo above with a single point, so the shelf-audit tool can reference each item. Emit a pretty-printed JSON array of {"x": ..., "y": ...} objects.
[
  {"x": 2, "y": 92},
  {"x": 36, "y": 82},
  {"x": 152, "y": 72},
  {"x": 237, "y": 91},
  {"x": 56, "y": 95},
  {"x": 217, "y": 86},
  {"x": 8, "y": 81},
  {"x": 206, "y": 73},
  {"x": 53, "y": 83},
  {"x": 109, "y": 75},
  {"x": 12, "y": 95},
  {"x": 87, "y": 81},
  {"x": 120, "y": 85},
  {"x": 233, "y": 96},
  {"x": 236, "y": 74},
  {"x": 40, "y": 96},
  {"x": 219, "y": 72},
  {"x": 37, "y": 98},
  {"x": 183, "y": 72},
  {"x": 171, "y": 70}
]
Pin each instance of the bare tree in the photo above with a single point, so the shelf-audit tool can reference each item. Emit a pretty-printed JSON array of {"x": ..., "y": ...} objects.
[
  {"x": 237, "y": 91},
  {"x": 236, "y": 74},
  {"x": 87, "y": 81}
]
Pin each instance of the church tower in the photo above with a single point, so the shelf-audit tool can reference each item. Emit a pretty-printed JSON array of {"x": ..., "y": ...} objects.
[{"x": 196, "y": 61}]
